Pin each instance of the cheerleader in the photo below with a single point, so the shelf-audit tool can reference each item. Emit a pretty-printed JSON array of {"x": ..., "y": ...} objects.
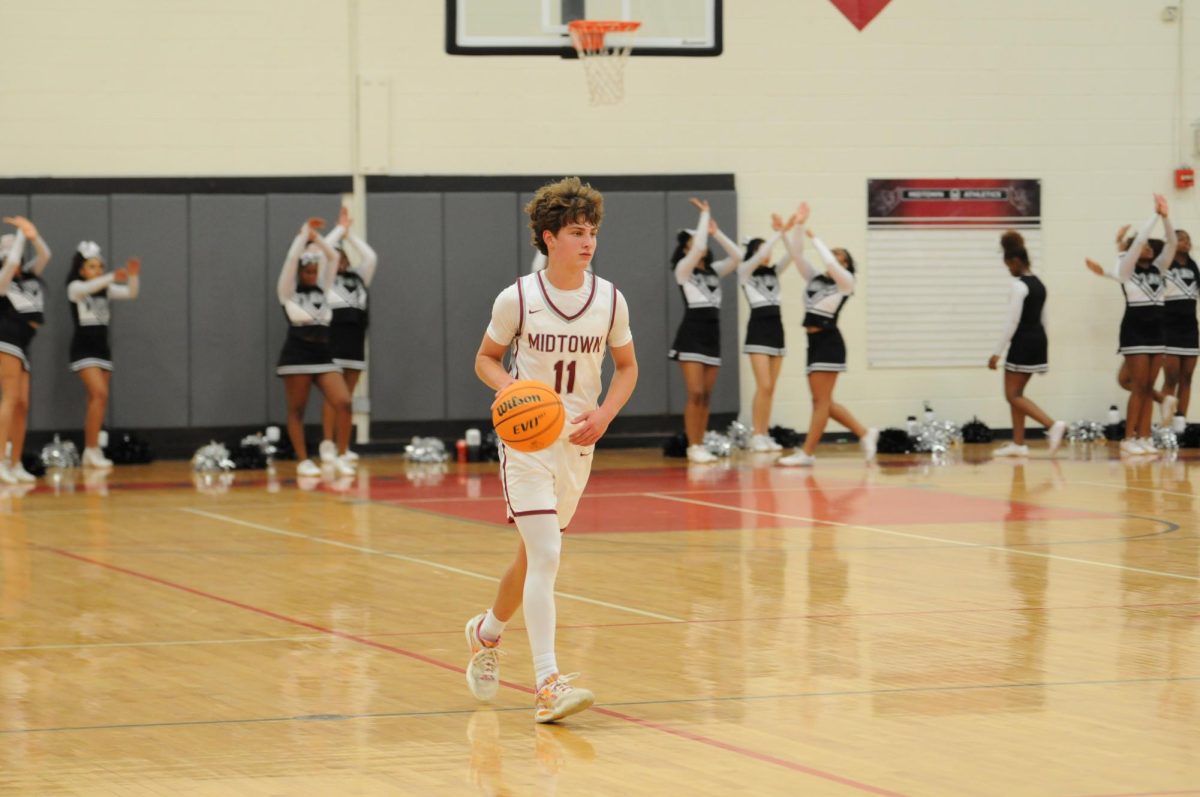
[
  {"x": 1182, "y": 335},
  {"x": 764, "y": 332},
  {"x": 697, "y": 345},
  {"x": 1025, "y": 338},
  {"x": 1142, "y": 339},
  {"x": 348, "y": 330},
  {"x": 824, "y": 296},
  {"x": 305, "y": 283},
  {"x": 21, "y": 312},
  {"x": 89, "y": 290}
]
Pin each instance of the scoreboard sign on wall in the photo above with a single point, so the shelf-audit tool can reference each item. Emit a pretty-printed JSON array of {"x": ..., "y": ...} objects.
[{"x": 938, "y": 285}]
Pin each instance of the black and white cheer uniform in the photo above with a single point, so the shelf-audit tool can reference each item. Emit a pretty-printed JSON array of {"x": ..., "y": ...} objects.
[
  {"x": 1142, "y": 284},
  {"x": 309, "y": 312},
  {"x": 1180, "y": 292},
  {"x": 22, "y": 299},
  {"x": 824, "y": 296},
  {"x": 348, "y": 299},
  {"x": 91, "y": 315},
  {"x": 698, "y": 338},
  {"x": 1025, "y": 330},
  {"x": 760, "y": 284}
]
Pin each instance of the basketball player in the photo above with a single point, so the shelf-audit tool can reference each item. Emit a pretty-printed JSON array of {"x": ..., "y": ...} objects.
[
  {"x": 305, "y": 283},
  {"x": 21, "y": 312},
  {"x": 555, "y": 324},
  {"x": 1025, "y": 338},
  {"x": 764, "y": 332},
  {"x": 697, "y": 345},
  {"x": 89, "y": 289},
  {"x": 825, "y": 295},
  {"x": 348, "y": 329},
  {"x": 1142, "y": 340}
]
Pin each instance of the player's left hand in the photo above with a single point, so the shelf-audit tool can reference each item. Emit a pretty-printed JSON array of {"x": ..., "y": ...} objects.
[
  {"x": 591, "y": 426},
  {"x": 993, "y": 361}
]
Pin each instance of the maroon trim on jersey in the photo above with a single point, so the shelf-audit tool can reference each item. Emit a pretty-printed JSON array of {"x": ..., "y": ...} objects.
[
  {"x": 560, "y": 313},
  {"x": 612, "y": 315},
  {"x": 520, "y": 307},
  {"x": 504, "y": 481},
  {"x": 536, "y": 512}
]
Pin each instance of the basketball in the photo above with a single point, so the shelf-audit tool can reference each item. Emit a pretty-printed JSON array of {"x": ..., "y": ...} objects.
[{"x": 528, "y": 415}]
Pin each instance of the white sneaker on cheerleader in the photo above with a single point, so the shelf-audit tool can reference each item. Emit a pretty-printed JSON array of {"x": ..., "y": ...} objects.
[
  {"x": 1147, "y": 446},
  {"x": 869, "y": 443},
  {"x": 1011, "y": 450},
  {"x": 23, "y": 476},
  {"x": 799, "y": 458},
  {"x": 1167, "y": 408},
  {"x": 6, "y": 474},
  {"x": 308, "y": 468},
  {"x": 1055, "y": 435},
  {"x": 343, "y": 466},
  {"x": 483, "y": 670},
  {"x": 350, "y": 456},
  {"x": 1132, "y": 447},
  {"x": 558, "y": 699},
  {"x": 94, "y": 458},
  {"x": 700, "y": 454},
  {"x": 327, "y": 451},
  {"x": 761, "y": 443}
]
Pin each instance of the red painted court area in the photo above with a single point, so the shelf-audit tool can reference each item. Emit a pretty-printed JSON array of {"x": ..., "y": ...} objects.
[{"x": 678, "y": 499}]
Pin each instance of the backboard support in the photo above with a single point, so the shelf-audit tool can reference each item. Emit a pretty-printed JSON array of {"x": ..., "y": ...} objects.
[{"x": 680, "y": 28}]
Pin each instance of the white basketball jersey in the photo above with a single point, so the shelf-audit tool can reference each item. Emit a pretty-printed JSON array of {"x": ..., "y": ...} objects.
[{"x": 564, "y": 351}]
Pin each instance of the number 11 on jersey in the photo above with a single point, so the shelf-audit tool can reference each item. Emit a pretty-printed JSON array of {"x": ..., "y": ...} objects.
[{"x": 558, "y": 376}]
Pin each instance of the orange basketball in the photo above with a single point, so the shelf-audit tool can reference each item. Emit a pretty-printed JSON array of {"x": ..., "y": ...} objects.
[{"x": 528, "y": 415}]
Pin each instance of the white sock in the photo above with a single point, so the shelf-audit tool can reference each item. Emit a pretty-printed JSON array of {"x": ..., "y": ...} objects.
[
  {"x": 491, "y": 628},
  {"x": 543, "y": 542}
]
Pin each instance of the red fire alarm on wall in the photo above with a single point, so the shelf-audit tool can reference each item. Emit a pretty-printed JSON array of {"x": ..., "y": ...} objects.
[{"x": 1185, "y": 177}]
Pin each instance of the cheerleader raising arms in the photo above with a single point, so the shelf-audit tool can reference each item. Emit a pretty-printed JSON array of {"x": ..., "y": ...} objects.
[
  {"x": 303, "y": 290},
  {"x": 697, "y": 345},
  {"x": 825, "y": 295}
]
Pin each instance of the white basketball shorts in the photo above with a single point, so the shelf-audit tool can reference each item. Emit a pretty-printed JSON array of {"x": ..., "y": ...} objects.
[{"x": 545, "y": 482}]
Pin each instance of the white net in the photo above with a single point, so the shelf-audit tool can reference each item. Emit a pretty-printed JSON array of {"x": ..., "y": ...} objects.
[{"x": 604, "y": 47}]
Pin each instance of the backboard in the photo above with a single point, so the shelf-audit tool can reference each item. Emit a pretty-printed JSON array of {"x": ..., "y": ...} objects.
[{"x": 539, "y": 27}]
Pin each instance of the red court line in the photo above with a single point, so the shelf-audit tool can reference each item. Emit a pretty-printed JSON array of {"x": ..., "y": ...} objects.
[{"x": 683, "y": 734}]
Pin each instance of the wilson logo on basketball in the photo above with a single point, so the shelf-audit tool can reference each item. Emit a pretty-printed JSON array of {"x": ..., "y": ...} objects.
[{"x": 511, "y": 404}]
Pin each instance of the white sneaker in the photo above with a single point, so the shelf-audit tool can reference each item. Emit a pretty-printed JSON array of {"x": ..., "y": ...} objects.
[
  {"x": 869, "y": 442},
  {"x": 1167, "y": 408},
  {"x": 343, "y": 466},
  {"x": 700, "y": 454},
  {"x": 350, "y": 456},
  {"x": 483, "y": 671},
  {"x": 799, "y": 458},
  {"x": 1147, "y": 446},
  {"x": 761, "y": 443},
  {"x": 1132, "y": 447},
  {"x": 327, "y": 451},
  {"x": 23, "y": 476},
  {"x": 6, "y": 474},
  {"x": 557, "y": 699},
  {"x": 1011, "y": 450},
  {"x": 94, "y": 458},
  {"x": 308, "y": 468},
  {"x": 1055, "y": 435}
]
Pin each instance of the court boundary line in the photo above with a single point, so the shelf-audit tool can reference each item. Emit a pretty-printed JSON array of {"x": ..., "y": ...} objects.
[
  {"x": 911, "y": 535},
  {"x": 414, "y": 560},
  {"x": 683, "y": 734}
]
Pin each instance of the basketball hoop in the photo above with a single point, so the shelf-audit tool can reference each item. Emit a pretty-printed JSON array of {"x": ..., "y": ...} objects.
[{"x": 603, "y": 57}]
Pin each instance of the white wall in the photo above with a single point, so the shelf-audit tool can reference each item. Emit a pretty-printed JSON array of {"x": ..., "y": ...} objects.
[{"x": 1078, "y": 93}]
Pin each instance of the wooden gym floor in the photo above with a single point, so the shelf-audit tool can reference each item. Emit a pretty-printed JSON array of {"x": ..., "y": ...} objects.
[{"x": 968, "y": 627}]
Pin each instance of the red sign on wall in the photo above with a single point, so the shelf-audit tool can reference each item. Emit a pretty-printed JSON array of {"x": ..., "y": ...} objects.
[{"x": 860, "y": 12}]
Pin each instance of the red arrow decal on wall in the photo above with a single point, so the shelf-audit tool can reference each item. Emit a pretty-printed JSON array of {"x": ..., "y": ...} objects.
[{"x": 860, "y": 12}]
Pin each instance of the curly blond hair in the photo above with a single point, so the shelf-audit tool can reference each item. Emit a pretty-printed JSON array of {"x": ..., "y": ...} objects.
[{"x": 555, "y": 205}]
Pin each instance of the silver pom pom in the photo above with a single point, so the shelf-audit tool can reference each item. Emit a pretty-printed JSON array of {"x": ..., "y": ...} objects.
[
  {"x": 1085, "y": 431},
  {"x": 263, "y": 443},
  {"x": 1165, "y": 439},
  {"x": 718, "y": 444},
  {"x": 739, "y": 434},
  {"x": 60, "y": 454},
  {"x": 936, "y": 437},
  {"x": 425, "y": 449},
  {"x": 212, "y": 458}
]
